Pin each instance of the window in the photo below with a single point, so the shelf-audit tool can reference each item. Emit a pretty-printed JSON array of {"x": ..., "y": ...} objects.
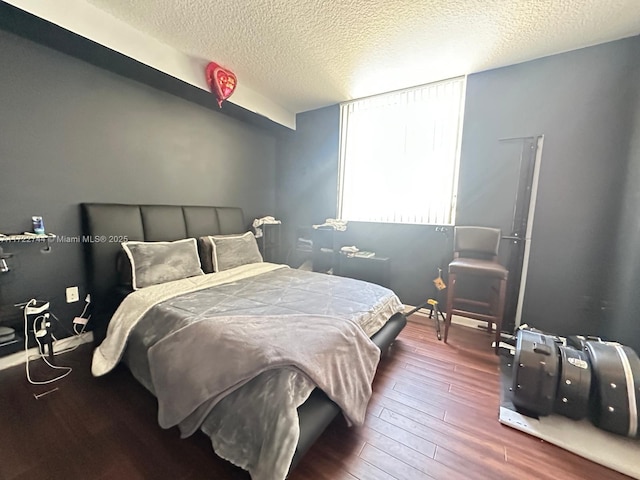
[{"x": 399, "y": 155}]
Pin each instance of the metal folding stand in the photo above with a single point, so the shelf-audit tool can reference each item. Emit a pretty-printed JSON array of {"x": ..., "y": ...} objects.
[{"x": 434, "y": 310}]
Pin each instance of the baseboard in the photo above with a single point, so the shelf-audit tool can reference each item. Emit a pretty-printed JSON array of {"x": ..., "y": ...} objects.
[
  {"x": 423, "y": 318},
  {"x": 59, "y": 345}
]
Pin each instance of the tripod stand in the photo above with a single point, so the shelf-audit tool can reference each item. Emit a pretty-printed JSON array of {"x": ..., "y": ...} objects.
[{"x": 434, "y": 311}]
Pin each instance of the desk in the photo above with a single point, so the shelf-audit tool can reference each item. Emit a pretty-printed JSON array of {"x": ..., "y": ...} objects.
[{"x": 374, "y": 269}]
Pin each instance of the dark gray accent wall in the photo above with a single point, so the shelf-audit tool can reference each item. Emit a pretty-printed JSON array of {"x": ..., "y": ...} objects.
[
  {"x": 623, "y": 319},
  {"x": 71, "y": 132},
  {"x": 585, "y": 103},
  {"x": 581, "y": 102},
  {"x": 307, "y": 171}
]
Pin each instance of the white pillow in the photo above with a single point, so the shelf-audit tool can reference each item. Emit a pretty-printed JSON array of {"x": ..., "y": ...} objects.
[{"x": 153, "y": 263}]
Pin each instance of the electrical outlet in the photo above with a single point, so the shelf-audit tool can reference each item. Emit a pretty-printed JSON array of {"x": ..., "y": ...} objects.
[{"x": 72, "y": 294}]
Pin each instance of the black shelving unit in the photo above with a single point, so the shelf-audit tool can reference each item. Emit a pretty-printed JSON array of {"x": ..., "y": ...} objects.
[
  {"x": 269, "y": 243},
  {"x": 325, "y": 249}
]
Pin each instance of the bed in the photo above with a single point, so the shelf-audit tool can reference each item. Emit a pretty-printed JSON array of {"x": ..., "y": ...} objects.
[{"x": 191, "y": 311}]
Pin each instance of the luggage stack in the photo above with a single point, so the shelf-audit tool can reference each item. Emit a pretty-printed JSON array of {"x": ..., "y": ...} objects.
[
  {"x": 616, "y": 388},
  {"x": 578, "y": 378}
]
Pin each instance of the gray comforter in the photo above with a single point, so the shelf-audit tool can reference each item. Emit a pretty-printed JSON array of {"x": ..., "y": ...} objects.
[
  {"x": 251, "y": 417},
  {"x": 335, "y": 355}
]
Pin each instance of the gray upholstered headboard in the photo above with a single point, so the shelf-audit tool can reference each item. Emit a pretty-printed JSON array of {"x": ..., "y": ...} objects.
[{"x": 104, "y": 226}]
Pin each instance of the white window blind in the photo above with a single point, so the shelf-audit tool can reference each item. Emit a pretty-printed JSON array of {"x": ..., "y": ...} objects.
[{"x": 399, "y": 155}]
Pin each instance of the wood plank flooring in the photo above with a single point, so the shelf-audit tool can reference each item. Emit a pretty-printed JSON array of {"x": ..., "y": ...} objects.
[{"x": 433, "y": 414}]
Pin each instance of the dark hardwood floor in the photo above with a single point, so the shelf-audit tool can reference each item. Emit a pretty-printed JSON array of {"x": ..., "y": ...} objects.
[{"x": 434, "y": 414}]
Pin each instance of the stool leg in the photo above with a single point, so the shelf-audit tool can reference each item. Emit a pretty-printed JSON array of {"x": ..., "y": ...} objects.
[
  {"x": 450, "y": 294},
  {"x": 500, "y": 311}
]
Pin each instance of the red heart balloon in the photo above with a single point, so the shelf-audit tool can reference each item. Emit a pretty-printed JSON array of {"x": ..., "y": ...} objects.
[{"x": 221, "y": 81}]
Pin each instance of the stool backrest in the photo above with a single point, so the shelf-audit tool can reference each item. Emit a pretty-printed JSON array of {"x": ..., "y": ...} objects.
[{"x": 480, "y": 242}]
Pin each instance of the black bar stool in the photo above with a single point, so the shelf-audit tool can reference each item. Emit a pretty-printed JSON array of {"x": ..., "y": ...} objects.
[{"x": 475, "y": 253}]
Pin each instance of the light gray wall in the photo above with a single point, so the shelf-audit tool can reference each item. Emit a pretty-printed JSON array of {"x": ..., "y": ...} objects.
[{"x": 71, "y": 132}]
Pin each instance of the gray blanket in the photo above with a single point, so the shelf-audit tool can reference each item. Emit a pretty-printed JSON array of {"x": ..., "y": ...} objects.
[
  {"x": 336, "y": 356},
  {"x": 256, "y": 426}
]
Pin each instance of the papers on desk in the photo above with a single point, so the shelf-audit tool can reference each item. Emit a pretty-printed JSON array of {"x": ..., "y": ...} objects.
[{"x": 353, "y": 251}]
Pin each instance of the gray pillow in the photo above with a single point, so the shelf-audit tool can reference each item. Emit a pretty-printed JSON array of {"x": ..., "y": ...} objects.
[
  {"x": 153, "y": 263},
  {"x": 230, "y": 251}
]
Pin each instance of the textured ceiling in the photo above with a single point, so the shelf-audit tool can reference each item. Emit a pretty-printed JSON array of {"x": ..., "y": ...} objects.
[{"x": 308, "y": 54}]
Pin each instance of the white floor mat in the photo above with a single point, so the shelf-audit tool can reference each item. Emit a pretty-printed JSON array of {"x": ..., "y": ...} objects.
[{"x": 582, "y": 438}]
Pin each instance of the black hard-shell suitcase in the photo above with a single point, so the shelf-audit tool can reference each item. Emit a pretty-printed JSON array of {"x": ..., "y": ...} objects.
[
  {"x": 615, "y": 392},
  {"x": 572, "y": 398},
  {"x": 535, "y": 372}
]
